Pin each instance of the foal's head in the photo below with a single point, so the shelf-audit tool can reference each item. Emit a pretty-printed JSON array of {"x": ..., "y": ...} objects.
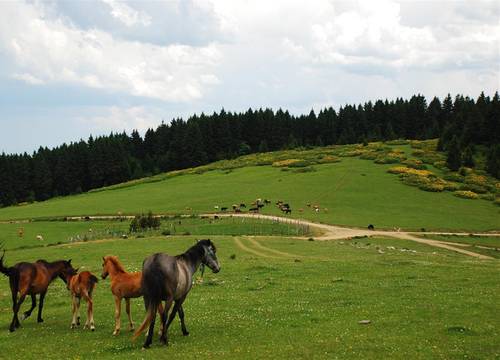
[
  {"x": 66, "y": 271},
  {"x": 209, "y": 258}
]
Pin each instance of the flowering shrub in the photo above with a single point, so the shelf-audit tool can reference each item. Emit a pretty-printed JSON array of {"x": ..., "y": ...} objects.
[{"x": 466, "y": 194}]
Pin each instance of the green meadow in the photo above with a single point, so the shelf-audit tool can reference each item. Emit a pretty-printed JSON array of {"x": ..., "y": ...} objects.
[
  {"x": 277, "y": 297},
  {"x": 280, "y": 293},
  {"x": 351, "y": 192}
]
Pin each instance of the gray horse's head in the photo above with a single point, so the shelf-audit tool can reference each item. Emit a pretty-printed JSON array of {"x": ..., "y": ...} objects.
[{"x": 209, "y": 258}]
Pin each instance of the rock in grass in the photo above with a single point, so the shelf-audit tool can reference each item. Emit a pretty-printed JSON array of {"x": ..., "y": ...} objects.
[{"x": 364, "y": 322}]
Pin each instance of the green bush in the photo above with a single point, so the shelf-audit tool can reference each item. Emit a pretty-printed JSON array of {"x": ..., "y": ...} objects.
[
  {"x": 475, "y": 188},
  {"x": 306, "y": 169},
  {"x": 466, "y": 194},
  {"x": 454, "y": 177}
]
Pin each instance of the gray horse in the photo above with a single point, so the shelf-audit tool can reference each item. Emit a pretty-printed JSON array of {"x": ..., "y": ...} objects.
[{"x": 169, "y": 278}]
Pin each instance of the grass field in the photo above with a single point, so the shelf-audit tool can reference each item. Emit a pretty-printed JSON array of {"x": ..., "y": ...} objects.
[
  {"x": 57, "y": 232},
  {"x": 486, "y": 245},
  {"x": 283, "y": 298},
  {"x": 355, "y": 192}
]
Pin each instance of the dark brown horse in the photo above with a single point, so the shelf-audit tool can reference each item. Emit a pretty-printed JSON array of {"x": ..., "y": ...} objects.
[
  {"x": 31, "y": 279},
  {"x": 169, "y": 278}
]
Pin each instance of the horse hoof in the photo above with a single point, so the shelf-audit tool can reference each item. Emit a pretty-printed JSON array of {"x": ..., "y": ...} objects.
[
  {"x": 185, "y": 333},
  {"x": 25, "y": 316},
  {"x": 92, "y": 329},
  {"x": 116, "y": 332},
  {"x": 40, "y": 320}
]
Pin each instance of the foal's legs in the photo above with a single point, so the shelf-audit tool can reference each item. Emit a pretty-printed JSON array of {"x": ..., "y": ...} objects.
[
  {"x": 127, "y": 308},
  {"x": 40, "y": 306},
  {"x": 118, "y": 311},
  {"x": 76, "y": 305},
  {"x": 33, "y": 305},
  {"x": 90, "y": 312}
]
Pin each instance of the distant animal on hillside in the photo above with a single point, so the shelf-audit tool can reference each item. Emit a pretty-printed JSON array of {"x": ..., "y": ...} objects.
[
  {"x": 237, "y": 210},
  {"x": 371, "y": 227},
  {"x": 267, "y": 201},
  {"x": 20, "y": 232},
  {"x": 39, "y": 237},
  {"x": 287, "y": 211},
  {"x": 81, "y": 285},
  {"x": 260, "y": 206},
  {"x": 31, "y": 279},
  {"x": 170, "y": 278},
  {"x": 223, "y": 209},
  {"x": 216, "y": 207},
  {"x": 254, "y": 209},
  {"x": 242, "y": 205}
]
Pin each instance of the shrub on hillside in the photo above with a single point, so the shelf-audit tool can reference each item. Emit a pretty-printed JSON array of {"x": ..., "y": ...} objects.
[
  {"x": 369, "y": 155},
  {"x": 430, "y": 186},
  {"x": 478, "y": 189},
  {"x": 328, "y": 159},
  {"x": 406, "y": 170},
  {"x": 454, "y": 177},
  {"x": 415, "y": 164},
  {"x": 390, "y": 158},
  {"x": 144, "y": 222},
  {"x": 351, "y": 153},
  {"x": 466, "y": 194},
  {"x": 291, "y": 163}
]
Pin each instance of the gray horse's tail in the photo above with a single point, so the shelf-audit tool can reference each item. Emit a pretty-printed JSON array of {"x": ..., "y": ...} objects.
[{"x": 152, "y": 307}]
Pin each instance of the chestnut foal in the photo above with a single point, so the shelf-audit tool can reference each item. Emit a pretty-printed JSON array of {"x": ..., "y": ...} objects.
[
  {"x": 124, "y": 285},
  {"x": 81, "y": 286}
]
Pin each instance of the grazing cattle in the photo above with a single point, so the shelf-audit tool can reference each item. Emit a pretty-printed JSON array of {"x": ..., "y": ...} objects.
[
  {"x": 308, "y": 205},
  {"x": 242, "y": 205},
  {"x": 301, "y": 210},
  {"x": 371, "y": 227},
  {"x": 287, "y": 211},
  {"x": 170, "y": 278},
  {"x": 254, "y": 209},
  {"x": 223, "y": 209},
  {"x": 39, "y": 237},
  {"x": 260, "y": 206},
  {"x": 81, "y": 286},
  {"x": 267, "y": 201},
  {"x": 216, "y": 207},
  {"x": 237, "y": 210},
  {"x": 316, "y": 209},
  {"x": 234, "y": 206},
  {"x": 216, "y": 217},
  {"x": 31, "y": 279}
]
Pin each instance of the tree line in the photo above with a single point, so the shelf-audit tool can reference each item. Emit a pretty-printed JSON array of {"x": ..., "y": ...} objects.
[{"x": 462, "y": 125}]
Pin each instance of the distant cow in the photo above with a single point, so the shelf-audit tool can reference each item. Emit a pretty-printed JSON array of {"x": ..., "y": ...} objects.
[
  {"x": 254, "y": 209},
  {"x": 260, "y": 206},
  {"x": 267, "y": 201},
  {"x": 237, "y": 210},
  {"x": 39, "y": 237},
  {"x": 242, "y": 205},
  {"x": 371, "y": 227},
  {"x": 223, "y": 209},
  {"x": 287, "y": 211}
]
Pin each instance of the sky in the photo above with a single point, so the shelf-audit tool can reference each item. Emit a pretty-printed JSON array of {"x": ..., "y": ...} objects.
[{"x": 69, "y": 69}]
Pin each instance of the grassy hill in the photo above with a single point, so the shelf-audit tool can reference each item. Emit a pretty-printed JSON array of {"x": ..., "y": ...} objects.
[{"x": 348, "y": 186}]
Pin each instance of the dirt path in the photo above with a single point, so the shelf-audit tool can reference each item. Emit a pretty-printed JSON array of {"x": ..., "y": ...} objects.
[{"x": 332, "y": 232}]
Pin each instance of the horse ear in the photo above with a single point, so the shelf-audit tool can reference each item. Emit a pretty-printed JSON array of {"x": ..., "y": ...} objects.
[
  {"x": 69, "y": 261},
  {"x": 103, "y": 258}
]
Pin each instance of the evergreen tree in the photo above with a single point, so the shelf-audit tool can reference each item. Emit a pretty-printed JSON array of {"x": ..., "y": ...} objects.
[{"x": 453, "y": 161}]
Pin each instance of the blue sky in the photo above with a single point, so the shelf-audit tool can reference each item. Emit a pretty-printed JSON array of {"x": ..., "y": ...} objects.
[{"x": 71, "y": 69}]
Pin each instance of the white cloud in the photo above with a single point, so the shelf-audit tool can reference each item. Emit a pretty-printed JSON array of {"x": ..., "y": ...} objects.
[
  {"x": 126, "y": 14},
  {"x": 51, "y": 50},
  {"x": 119, "y": 119},
  {"x": 30, "y": 79}
]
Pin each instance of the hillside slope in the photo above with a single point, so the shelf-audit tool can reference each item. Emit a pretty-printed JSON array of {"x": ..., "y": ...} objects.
[{"x": 352, "y": 192}]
